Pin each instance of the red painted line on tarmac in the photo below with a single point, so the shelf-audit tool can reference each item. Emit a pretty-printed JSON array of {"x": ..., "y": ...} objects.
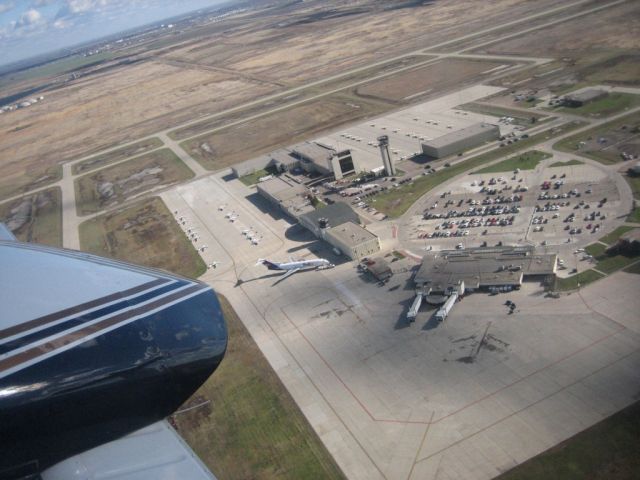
[
  {"x": 527, "y": 406},
  {"x": 485, "y": 397}
]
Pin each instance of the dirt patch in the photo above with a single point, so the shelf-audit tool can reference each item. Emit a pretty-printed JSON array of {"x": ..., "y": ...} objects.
[
  {"x": 112, "y": 185},
  {"x": 117, "y": 106},
  {"x": 35, "y": 218},
  {"x": 614, "y": 28},
  {"x": 145, "y": 233},
  {"x": 438, "y": 76},
  {"x": 609, "y": 143},
  {"x": 117, "y": 155},
  {"x": 262, "y": 135}
]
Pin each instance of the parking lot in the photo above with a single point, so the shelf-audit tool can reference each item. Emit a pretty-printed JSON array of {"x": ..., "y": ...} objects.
[{"x": 547, "y": 206}]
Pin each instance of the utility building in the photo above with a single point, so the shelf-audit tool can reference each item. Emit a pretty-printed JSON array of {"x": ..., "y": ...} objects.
[
  {"x": 580, "y": 99},
  {"x": 465, "y": 139}
]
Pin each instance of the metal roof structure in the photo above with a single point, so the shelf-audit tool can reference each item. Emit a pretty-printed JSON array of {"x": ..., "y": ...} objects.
[
  {"x": 483, "y": 267},
  {"x": 336, "y": 214},
  {"x": 351, "y": 233},
  {"x": 458, "y": 135}
]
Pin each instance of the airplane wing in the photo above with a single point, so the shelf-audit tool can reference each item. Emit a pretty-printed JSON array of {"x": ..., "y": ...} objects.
[
  {"x": 6, "y": 234},
  {"x": 289, "y": 273},
  {"x": 156, "y": 451}
]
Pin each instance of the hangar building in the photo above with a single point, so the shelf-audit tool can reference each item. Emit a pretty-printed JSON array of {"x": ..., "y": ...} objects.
[
  {"x": 584, "y": 97},
  {"x": 460, "y": 140}
]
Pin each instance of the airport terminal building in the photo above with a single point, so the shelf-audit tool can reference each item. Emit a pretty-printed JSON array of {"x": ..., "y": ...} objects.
[{"x": 482, "y": 268}]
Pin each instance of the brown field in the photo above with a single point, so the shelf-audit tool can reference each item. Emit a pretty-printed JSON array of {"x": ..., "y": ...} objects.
[
  {"x": 341, "y": 82},
  {"x": 144, "y": 233},
  {"x": 22, "y": 178},
  {"x": 439, "y": 76},
  {"x": 612, "y": 29},
  {"x": 215, "y": 67},
  {"x": 313, "y": 40},
  {"x": 112, "y": 185},
  {"x": 110, "y": 108},
  {"x": 117, "y": 155},
  {"x": 248, "y": 426},
  {"x": 607, "y": 142},
  {"x": 262, "y": 135},
  {"x": 35, "y": 218}
]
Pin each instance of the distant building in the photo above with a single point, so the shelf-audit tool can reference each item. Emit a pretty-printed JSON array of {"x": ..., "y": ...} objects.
[
  {"x": 458, "y": 141},
  {"x": 323, "y": 159},
  {"x": 312, "y": 157},
  {"x": 576, "y": 100}
]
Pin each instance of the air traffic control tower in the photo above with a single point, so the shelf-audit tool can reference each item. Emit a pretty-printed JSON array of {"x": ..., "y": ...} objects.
[{"x": 383, "y": 143}]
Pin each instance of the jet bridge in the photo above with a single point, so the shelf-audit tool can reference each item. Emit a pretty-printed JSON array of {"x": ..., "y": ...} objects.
[{"x": 415, "y": 306}]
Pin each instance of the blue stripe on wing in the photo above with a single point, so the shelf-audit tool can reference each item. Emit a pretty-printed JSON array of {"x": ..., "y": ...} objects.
[{"x": 27, "y": 339}]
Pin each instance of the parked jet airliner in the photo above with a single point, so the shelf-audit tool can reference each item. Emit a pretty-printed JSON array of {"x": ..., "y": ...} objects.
[{"x": 295, "y": 266}]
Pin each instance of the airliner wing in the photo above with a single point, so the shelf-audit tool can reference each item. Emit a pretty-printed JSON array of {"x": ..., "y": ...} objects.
[
  {"x": 156, "y": 451},
  {"x": 289, "y": 273},
  {"x": 5, "y": 233}
]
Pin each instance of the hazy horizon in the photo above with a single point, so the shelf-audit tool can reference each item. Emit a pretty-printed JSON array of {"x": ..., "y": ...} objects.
[{"x": 34, "y": 27}]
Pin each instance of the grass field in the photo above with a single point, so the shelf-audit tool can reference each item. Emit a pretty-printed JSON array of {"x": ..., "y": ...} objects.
[
  {"x": 605, "y": 451},
  {"x": 41, "y": 215},
  {"x": 613, "y": 237},
  {"x": 524, "y": 161},
  {"x": 606, "y": 263},
  {"x": 634, "y": 216},
  {"x": 566, "y": 164},
  {"x": 252, "y": 428},
  {"x": 252, "y": 178},
  {"x": 581, "y": 279},
  {"x": 634, "y": 183},
  {"x": 595, "y": 249},
  {"x": 54, "y": 68},
  {"x": 116, "y": 155},
  {"x": 615, "y": 102},
  {"x": 635, "y": 268},
  {"x": 144, "y": 233},
  {"x": 28, "y": 180},
  {"x": 618, "y": 131},
  {"x": 122, "y": 181},
  {"x": 396, "y": 201},
  {"x": 609, "y": 264}
]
